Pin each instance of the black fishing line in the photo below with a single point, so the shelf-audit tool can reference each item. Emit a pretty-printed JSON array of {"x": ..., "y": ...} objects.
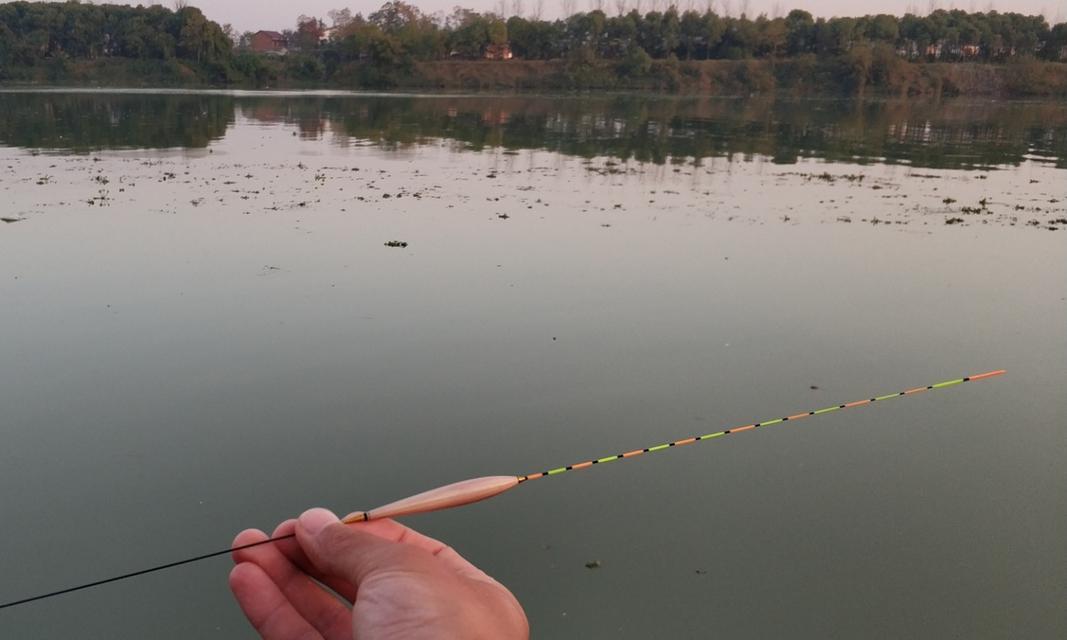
[{"x": 134, "y": 574}]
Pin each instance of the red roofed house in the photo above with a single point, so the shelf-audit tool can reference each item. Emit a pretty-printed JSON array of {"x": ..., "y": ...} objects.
[{"x": 268, "y": 42}]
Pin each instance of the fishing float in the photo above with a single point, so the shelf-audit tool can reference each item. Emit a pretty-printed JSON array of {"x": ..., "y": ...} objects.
[{"x": 473, "y": 490}]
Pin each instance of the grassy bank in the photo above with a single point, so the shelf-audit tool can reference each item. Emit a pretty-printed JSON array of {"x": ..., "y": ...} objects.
[
  {"x": 112, "y": 72},
  {"x": 847, "y": 76},
  {"x": 801, "y": 76}
]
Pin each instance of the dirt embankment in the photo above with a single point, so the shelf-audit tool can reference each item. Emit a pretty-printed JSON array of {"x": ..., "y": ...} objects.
[
  {"x": 796, "y": 76},
  {"x": 483, "y": 75},
  {"x": 109, "y": 72},
  {"x": 862, "y": 73}
]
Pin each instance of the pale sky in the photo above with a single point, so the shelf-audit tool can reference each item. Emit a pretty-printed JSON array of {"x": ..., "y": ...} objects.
[{"x": 252, "y": 15}]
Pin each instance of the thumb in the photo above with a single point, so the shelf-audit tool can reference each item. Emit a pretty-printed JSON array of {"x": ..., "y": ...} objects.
[{"x": 343, "y": 551}]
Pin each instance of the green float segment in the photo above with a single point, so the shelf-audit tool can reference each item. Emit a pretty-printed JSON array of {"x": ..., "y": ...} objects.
[
  {"x": 750, "y": 427},
  {"x": 948, "y": 383}
]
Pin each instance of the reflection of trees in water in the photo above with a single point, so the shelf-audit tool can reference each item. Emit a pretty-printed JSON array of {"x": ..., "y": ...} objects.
[
  {"x": 646, "y": 129},
  {"x": 945, "y": 135},
  {"x": 310, "y": 122},
  {"x": 88, "y": 122}
]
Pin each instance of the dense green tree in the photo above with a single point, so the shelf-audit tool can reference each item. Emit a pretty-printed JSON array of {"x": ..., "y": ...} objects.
[
  {"x": 497, "y": 31},
  {"x": 691, "y": 32},
  {"x": 659, "y": 33},
  {"x": 309, "y": 33},
  {"x": 714, "y": 29},
  {"x": 39, "y": 32},
  {"x": 800, "y": 32},
  {"x": 883, "y": 28},
  {"x": 200, "y": 39},
  {"x": 394, "y": 16},
  {"x": 841, "y": 33},
  {"x": 739, "y": 40},
  {"x": 415, "y": 34},
  {"x": 529, "y": 38},
  {"x": 772, "y": 37},
  {"x": 620, "y": 35},
  {"x": 635, "y": 63},
  {"x": 468, "y": 33},
  {"x": 1056, "y": 45}
]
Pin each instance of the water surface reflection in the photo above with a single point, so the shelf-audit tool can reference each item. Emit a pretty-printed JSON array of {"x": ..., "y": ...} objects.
[{"x": 948, "y": 135}]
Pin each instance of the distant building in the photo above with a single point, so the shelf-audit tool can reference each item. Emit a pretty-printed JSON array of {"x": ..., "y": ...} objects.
[
  {"x": 961, "y": 51},
  {"x": 268, "y": 42},
  {"x": 498, "y": 52}
]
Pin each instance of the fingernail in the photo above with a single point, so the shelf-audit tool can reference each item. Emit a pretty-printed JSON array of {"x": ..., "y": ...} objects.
[{"x": 315, "y": 520}]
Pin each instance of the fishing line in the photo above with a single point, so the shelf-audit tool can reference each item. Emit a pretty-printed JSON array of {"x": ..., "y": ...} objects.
[
  {"x": 134, "y": 574},
  {"x": 476, "y": 489}
]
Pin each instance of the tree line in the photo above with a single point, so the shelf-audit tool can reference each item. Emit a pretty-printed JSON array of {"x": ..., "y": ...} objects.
[
  {"x": 376, "y": 49},
  {"x": 955, "y": 35},
  {"x": 33, "y": 33}
]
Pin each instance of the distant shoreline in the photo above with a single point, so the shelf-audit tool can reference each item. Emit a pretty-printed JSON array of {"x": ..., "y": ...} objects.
[{"x": 945, "y": 53}]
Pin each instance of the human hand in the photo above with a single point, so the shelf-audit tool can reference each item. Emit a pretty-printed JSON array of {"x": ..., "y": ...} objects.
[{"x": 394, "y": 583}]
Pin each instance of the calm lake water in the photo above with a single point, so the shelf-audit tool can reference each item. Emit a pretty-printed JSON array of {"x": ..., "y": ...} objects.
[{"x": 203, "y": 330}]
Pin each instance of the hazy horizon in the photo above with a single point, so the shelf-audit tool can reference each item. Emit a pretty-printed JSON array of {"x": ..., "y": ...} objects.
[{"x": 252, "y": 15}]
